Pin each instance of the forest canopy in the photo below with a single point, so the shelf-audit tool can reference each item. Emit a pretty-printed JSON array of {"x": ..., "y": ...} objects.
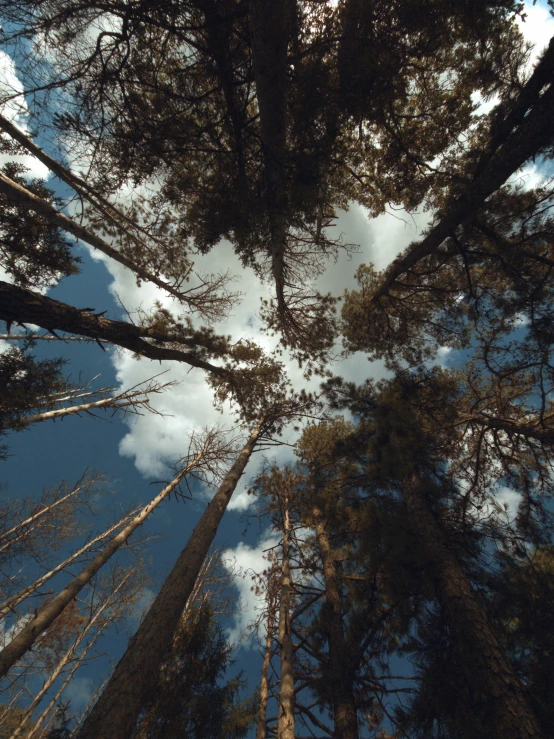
[{"x": 233, "y": 166}]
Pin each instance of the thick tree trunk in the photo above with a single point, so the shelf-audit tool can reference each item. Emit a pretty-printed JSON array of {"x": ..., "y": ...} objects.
[
  {"x": 494, "y": 687},
  {"x": 516, "y": 140},
  {"x": 115, "y": 714},
  {"x": 345, "y": 714},
  {"x": 23, "y": 306},
  {"x": 261, "y": 727},
  {"x": 285, "y": 721},
  {"x": 24, "y": 639},
  {"x": 270, "y": 30}
]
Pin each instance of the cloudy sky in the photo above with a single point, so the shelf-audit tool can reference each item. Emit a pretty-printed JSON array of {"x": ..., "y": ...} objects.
[{"x": 134, "y": 451}]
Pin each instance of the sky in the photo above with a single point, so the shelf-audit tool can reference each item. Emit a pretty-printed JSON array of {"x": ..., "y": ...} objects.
[{"x": 135, "y": 451}]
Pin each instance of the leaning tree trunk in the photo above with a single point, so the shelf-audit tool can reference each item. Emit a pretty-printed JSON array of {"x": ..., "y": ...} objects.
[
  {"x": 345, "y": 714},
  {"x": 24, "y": 639},
  {"x": 115, "y": 714},
  {"x": 285, "y": 721},
  {"x": 490, "y": 677},
  {"x": 19, "y": 195},
  {"x": 21, "y": 306}
]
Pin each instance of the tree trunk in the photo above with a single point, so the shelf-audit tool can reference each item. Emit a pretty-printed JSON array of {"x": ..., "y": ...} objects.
[
  {"x": 285, "y": 721},
  {"x": 261, "y": 727},
  {"x": 115, "y": 714},
  {"x": 270, "y": 31},
  {"x": 531, "y": 430},
  {"x": 24, "y": 639},
  {"x": 14, "y": 600},
  {"x": 115, "y": 403},
  {"x": 21, "y": 196},
  {"x": 490, "y": 677},
  {"x": 345, "y": 714},
  {"x": 24, "y": 306},
  {"x": 520, "y": 141}
]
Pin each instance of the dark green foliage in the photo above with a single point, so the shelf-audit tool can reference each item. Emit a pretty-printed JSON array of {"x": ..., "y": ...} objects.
[
  {"x": 33, "y": 251},
  {"x": 61, "y": 728},
  {"x": 27, "y": 383},
  {"x": 192, "y": 698}
]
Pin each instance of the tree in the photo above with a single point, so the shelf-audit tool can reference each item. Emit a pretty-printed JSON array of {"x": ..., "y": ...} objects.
[
  {"x": 190, "y": 696},
  {"x": 403, "y": 455},
  {"x": 289, "y": 150},
  {"x": 200, "y": 458},
  {"x": 117, "y": 709}
]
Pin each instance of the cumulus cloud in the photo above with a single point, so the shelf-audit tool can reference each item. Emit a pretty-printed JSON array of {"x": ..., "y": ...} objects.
[
  {"x": 16, "y": 110},
  {"x": 244, "y": 561}
]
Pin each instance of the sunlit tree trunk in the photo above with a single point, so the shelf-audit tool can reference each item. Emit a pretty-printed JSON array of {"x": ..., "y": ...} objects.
[
  {"x": 345, "y": 714},
  {"x": 117, "y": 710},
  {"x": 25, "y": 639},
  {"x": 285, "y": 721},
  {"x": 490, "y": 676},
  {"x": 261, "y": 727}
]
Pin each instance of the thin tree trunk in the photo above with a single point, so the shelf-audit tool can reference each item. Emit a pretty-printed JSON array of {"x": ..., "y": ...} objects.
[
  {"x": 122, "y": 221},
  {"x": 30, "y": 522},
  {"x": 21, "y": 196},
  {"x": 43, "y": 337},
  {"x": 73, "y": 410},
  {"x": 24, "y": 306},
  {"x": 261, "y": 727},
  {"x": 285, "y": 721},
  {"x": 115, "y": 714},
  {"x": 24, "y": 640},
  {"x": 519, "y": 142},
  {"x": 345, "y": 714},
  {"x": 67, "y": 657},
  {"x": 489, "y": 675},
  {"x": 14, "y": 600}
]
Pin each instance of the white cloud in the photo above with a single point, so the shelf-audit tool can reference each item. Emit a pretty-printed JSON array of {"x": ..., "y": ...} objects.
[
  {"x": 79, "y": 692},
  {"x": 244, "y": 561},
  {"x": 537, "y": 28},
  {"x": 17, "y": 111}
]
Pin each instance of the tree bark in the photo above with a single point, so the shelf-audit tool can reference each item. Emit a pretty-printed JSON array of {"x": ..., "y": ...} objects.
[
  {"x": 14, "y": 600},
  {"x": 73, "y": 410},
  {"x": 491, "y": 680},
  {"x": 516, "y": 139},
  {"x": 542, "y": 434},
  {"x": 285, "y": 721},
  {"x": 115, "y": 714},
  {"x": 345, "y": 714},
  {"x": 24, "y": 639},
  {"x": 18, "y": 305},
  {"x": 270, "y": 31},
  {"x": 261, "y": 727}
]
